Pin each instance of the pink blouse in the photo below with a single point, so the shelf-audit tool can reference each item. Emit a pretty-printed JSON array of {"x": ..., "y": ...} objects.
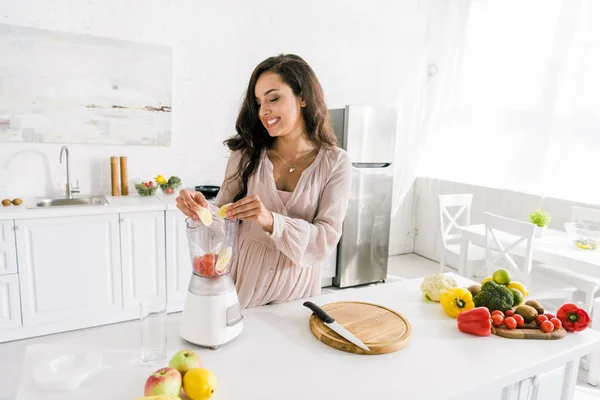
[{"x": 286, "y": 265}]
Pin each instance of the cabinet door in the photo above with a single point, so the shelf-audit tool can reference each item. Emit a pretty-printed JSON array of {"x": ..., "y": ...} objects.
[
  {"x": 179, "y": 267},
  {"x": 8, "y": 248},
  {"x": 143, "y": 256},
  {"x": 69, "y": 267},
  {"x": 10, "y": 305}
]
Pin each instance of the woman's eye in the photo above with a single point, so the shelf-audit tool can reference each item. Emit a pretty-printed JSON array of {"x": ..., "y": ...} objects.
[{"x": 274, "y": 99}]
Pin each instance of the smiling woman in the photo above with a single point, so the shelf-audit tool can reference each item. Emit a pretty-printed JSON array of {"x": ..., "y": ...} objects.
[{"x": 288, "y": 183}]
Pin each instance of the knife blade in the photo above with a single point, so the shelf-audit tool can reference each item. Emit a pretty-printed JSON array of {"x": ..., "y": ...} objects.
[{"x": 334, "y": 325}]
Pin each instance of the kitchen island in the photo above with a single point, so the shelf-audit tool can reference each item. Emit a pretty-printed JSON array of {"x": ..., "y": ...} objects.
[{"x": 277, "y": 357}]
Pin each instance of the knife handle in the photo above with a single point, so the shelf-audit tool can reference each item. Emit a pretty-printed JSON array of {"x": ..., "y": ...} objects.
[{"x": 319, "y": 312}]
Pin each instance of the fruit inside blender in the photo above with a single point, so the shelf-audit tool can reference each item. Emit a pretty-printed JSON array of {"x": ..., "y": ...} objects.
[{"x": 213, "y": 264}]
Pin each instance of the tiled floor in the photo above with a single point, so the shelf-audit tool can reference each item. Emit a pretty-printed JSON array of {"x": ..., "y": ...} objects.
[{"x": 410, "y": 266}]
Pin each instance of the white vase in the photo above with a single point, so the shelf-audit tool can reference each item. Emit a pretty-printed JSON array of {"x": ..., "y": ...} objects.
[{"x": 539, "y": 231}]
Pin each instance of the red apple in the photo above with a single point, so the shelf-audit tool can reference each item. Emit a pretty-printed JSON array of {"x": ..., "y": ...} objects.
[
  {"x": 185, "y": 360},
  {"x": 165, "y": 381}
]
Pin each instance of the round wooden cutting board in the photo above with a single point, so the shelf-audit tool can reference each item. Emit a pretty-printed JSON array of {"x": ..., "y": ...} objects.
[{"x": 381, "y": 329}]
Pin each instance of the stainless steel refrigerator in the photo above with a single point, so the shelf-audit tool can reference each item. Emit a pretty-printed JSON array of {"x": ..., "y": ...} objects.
[{"x": 368, "y": 134}]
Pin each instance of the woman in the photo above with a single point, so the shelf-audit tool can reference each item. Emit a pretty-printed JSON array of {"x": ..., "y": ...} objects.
[{"x": 288, "y": 181}]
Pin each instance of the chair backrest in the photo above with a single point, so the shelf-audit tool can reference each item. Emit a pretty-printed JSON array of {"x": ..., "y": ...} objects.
[
  {"x": 585, "y": 215},
  {"x": 507, "y": 239},
  {"x": 451, "y": 217}
]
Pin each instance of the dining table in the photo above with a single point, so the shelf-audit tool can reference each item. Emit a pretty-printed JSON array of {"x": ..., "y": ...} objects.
[{"x": 553, "y": 248}]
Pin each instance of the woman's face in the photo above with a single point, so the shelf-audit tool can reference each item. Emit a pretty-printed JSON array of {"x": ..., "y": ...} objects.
[{"x": 279, "y": 109}]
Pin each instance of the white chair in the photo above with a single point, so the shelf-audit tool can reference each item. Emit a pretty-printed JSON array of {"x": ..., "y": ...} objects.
[
  {"x": 507, "y": 238},
  {"x": 455, "y": 211}
]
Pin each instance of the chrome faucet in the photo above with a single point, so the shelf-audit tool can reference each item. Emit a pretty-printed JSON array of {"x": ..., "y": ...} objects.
[{"x": 69, "y": 190}]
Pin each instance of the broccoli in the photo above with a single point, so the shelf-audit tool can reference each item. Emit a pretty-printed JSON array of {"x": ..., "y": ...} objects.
[{"x": 494, "y": 297}]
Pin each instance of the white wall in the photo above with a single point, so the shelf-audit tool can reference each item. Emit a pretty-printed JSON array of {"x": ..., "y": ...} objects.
[{"x": 363, "y": 53}]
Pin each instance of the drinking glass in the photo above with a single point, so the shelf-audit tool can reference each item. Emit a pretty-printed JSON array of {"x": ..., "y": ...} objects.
[{"x": 153, "y": 313}]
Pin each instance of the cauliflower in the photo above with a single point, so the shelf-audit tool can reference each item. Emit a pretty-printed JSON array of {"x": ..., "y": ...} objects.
[{"x": 434, "y": 285}]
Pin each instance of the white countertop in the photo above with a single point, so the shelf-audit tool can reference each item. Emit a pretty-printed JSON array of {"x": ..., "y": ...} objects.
[
  {"x": 116, "y": 204},
  {"x": 277, "y": 356}
]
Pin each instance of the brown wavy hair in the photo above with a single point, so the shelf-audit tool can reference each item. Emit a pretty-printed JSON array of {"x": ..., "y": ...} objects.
[{"x": 252, "y": 137}]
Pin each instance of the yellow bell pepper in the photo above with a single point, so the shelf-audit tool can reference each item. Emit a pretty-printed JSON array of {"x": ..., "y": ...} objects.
[{"x": 456, "y": 300}]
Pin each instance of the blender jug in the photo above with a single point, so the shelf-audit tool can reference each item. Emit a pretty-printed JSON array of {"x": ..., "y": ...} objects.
[{"x": 211, "y": 247}]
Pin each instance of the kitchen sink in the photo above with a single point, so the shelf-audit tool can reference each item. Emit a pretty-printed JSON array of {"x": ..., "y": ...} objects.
[{"x": 99, "y": 200}]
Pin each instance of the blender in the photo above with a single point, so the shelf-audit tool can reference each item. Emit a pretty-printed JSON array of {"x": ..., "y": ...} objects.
[{"x": 211, "y": 312}]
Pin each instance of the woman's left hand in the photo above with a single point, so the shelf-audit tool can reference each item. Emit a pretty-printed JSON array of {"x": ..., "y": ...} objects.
[{"x": 250, "y": 208}]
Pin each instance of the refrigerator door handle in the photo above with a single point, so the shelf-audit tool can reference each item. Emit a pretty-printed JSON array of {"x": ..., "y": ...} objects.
[{"x": 370, "y": 165}]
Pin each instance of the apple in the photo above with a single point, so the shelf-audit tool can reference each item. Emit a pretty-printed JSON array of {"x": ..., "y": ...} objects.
[
  {"x": 166, "y": 381},
  {"x": 185, "y": 360}
]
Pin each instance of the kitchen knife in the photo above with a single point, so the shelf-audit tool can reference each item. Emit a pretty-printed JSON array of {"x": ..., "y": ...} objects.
[{"x": 334, "y": 325}]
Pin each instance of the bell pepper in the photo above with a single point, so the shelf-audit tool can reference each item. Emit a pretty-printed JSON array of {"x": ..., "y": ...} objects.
[
  {"x": 573, "y": 318},
  {"x": 456, "y": 300},
  {"x": 476, "y": 321}
]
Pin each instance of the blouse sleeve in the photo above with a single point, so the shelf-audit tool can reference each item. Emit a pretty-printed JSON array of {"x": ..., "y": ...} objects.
[
  {"x": 306, "y": 243},
  {"x": 229, "y": 188}
]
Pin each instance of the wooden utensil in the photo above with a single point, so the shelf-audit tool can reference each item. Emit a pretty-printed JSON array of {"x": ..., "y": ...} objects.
[
  {"x": 528, "y": 330},
  {"x": 383, "y": 330}
]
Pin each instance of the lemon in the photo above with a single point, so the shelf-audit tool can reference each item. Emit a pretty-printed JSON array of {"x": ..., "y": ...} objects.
[
  {"x": 222, "y": 213},
  {"x": 519, "y": 286},
  {"x": 199, "y": 384},
  {"x": 489, "y": 278},
  {"x": 501, "y": 277},
  {"x": 205, "y": 216}
]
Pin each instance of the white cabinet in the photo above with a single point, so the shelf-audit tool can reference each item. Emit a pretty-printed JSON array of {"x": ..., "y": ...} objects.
[
  {"x": 8, "y": 250},
  {"x": 69, "y": 268},
  {"x": 179, "y": 268},
  {"x": 10, "y": 307},
  {"x": 142, "y": 256}
]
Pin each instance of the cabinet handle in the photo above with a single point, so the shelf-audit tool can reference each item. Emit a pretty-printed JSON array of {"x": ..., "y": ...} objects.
[
  {"x": 18, "y": 227},
  {"x": 123, "y": 220}
]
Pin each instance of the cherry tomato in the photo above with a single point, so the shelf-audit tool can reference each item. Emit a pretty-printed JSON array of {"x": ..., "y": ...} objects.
[
  {"x": 509, "y": 313},
  {"x": 547, "y": 326},
  {"x": 556, "y": 322},
  {"x": 540, "y": 319},
  {"x": 510, "y": 322},
  {"x": 498, "y": 312},
  {"x": 497, "y": 319},
  {"x": 519, "y": 319},
  {"x": 550, "y": 316}
]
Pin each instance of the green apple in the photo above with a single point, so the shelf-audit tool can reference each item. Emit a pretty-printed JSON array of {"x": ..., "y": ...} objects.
[
  {"x": 165, "y": 381},
  {"x": 185, "y": 360}
]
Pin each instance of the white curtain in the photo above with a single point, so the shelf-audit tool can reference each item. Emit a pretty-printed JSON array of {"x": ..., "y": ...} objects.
[
  {"x": 436, "y": 76},
  {"x": 524, "y": 113}
]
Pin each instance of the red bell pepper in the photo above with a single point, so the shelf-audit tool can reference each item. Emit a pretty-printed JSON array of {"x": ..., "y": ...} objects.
[
  {"x": 573, "y": 318},
  {"x": 476, "y": 321}
]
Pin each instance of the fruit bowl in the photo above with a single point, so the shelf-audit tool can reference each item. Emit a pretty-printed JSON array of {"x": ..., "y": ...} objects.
[
  {"x": 146, "y": 188},
  {"x": 585, "y": 236}
]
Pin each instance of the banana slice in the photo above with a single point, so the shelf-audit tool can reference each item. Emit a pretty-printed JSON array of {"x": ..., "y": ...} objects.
[
  {"x": 205, "y": 216},
  {"x": 223, "y": 259},
  {"x": 222, "y": 213}
]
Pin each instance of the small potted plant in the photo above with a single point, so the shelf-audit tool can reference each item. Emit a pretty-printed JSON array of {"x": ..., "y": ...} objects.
[{"x": 542, "y": 220}]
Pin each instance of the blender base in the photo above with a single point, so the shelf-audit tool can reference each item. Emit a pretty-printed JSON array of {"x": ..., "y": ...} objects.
[{"x": 211, "y": 320}]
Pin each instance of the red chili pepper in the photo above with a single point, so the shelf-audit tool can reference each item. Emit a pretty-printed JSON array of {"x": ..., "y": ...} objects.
[
  {"x": 476, "y": 321},
  {"x": 573, "y": 318}
]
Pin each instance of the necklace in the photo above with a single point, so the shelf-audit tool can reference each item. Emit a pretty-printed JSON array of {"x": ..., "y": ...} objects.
[{"x": 292, "y": 168}]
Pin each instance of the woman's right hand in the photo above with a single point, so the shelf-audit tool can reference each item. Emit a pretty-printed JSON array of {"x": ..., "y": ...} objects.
[{"x": 188, "y": 202}]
